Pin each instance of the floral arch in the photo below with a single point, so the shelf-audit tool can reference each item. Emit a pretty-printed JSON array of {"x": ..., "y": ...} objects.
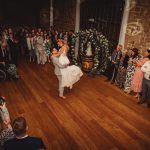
[{"x": 99, "y": 47}]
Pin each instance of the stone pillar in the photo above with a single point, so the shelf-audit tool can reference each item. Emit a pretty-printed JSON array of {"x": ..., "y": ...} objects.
[
  {"x": 124, "y": 22},
  {"x": 77, "y": 21},
  {"x": 77, "y": 25},
  {"x": 51, "y": 12}
]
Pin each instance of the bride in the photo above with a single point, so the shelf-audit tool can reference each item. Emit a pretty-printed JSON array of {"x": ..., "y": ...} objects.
[
  {"x": 70, "y": 74},
  {"x": 63, "y": 59}
]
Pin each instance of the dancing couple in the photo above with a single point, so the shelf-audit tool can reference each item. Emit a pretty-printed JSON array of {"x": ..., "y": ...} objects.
[{"x": 67, "y": 75}]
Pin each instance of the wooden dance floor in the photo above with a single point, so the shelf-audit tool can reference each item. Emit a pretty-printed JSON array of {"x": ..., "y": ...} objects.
[{"x": 95, "y": 116}]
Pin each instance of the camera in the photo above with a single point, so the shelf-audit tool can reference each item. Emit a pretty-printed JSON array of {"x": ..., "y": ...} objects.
[{"x": 2, "y": 101}]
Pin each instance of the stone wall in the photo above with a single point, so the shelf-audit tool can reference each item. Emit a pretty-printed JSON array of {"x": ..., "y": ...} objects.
[
  {"x": 64, "y": 14},
  {"x": 45, "y": 17},
  {"x": 138, "y": 29}
]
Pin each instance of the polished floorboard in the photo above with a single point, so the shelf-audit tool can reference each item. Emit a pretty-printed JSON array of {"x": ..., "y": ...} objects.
[{"x": 95, "y": 116}]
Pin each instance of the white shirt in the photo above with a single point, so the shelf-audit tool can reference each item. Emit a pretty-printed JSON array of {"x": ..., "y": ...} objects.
[
  {"x": 146, "y": 69},
  {"x": 29, "y": 43}
]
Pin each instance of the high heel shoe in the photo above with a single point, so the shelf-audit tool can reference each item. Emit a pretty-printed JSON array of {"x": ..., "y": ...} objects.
[{"x": 63, "y": 97}]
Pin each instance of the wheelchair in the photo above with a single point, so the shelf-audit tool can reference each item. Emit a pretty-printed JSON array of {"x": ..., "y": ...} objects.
[
  {"x": 2, "y": 75},
  {"x": 8, "y": 73}
]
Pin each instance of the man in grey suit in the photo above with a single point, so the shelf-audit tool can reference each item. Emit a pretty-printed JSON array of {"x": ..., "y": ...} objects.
[{"x": 57, "y": 71}]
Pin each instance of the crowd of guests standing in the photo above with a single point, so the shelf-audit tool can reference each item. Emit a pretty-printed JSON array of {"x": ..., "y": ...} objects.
[
  {"x": 34, "y": 43},
  {"x": 130, "y": 71}
]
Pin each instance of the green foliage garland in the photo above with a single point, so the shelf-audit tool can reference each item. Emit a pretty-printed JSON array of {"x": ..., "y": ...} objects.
[{"x": 100, "y": 49}]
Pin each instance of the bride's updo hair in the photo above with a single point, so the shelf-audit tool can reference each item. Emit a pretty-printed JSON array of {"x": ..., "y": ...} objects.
[{"x": 61, "y": 41}]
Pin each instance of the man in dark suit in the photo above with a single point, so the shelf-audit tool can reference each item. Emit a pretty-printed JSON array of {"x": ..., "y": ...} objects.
[
  {"x": 14, "y": 49},
  {"x": 22, "y": 140},
  {"x": 4, "y": 56},
  {"x": 115, "y": 61}
]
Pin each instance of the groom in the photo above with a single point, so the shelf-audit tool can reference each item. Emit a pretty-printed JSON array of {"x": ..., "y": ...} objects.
[{"x": 57, "y": 71}]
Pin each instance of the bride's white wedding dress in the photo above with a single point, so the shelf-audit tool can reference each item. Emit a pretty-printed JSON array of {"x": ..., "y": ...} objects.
[
  {"x": 70, "y": 74},
  {"x": 63, "y": 59}
]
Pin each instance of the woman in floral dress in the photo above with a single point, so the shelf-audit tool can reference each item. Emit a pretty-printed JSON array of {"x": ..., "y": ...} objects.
[
  {"x": 121, "y": 75},
  {"x": 135, "y": 57},
  {"x": 48, "y": 46}
]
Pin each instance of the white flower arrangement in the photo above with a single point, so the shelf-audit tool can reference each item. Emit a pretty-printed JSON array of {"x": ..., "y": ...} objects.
[{"x": 100, "y": 50}]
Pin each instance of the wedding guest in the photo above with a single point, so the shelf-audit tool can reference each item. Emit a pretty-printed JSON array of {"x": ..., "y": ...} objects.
[
  {"x": 30, "y": 46},
  {"x": 23, "y": 141},
  {"x": 39, "y": 30},
  {"x": 5, "y": 35},
  {"x": 115, "y": 60},
  {"x": 4, "y": 111},
  {"x": 136, "y": 83},
  {"x": 146, "y": 83},
  {"x": 5, "y": 64},
  {"x": 6, "y": 133},
  {"x": 10, "y": 31},
  {"x": 40, "y": 49},
  {"x": 134, "y": 58},
  {"x": 54, "y": 41},
  {"x": 121, "y": 76},
  {"x": 42, "y": 35},
  {"x": 48, "y": 46},
  {"x": 4, "y": 53},
  {"x": 45, "y": 34},
  {"x": 24, "y": 51},
  {"x": 14, "y": 49},
  {"x": 36, "y": 52},
  {"x": 36, "y": 48}
]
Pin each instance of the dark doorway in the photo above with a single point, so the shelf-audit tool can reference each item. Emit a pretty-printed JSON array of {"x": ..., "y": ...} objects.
[
  {"x": 104, "y": 15},
  {"x": 21, "y": 12}
]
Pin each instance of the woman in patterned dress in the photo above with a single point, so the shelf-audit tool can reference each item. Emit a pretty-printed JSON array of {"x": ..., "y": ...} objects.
[
  {"x": 6, "y": 133},
  {"x": 135, "y": 57},
  {"x": 48, "y": 45},
  {"x": 121, "y": 76}
]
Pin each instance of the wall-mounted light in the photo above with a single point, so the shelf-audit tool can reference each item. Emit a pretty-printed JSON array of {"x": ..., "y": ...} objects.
[{"x": 91, "y": 19}]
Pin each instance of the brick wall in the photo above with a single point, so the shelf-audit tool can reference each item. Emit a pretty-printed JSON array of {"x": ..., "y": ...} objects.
[
  {"x": 64, "y": 14},
  {"x": 45, "y": 17},
  {"x": 138, "y": 29}
]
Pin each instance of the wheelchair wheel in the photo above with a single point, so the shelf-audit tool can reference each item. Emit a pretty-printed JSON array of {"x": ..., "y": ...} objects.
[{"x": 2, "y": 75}]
